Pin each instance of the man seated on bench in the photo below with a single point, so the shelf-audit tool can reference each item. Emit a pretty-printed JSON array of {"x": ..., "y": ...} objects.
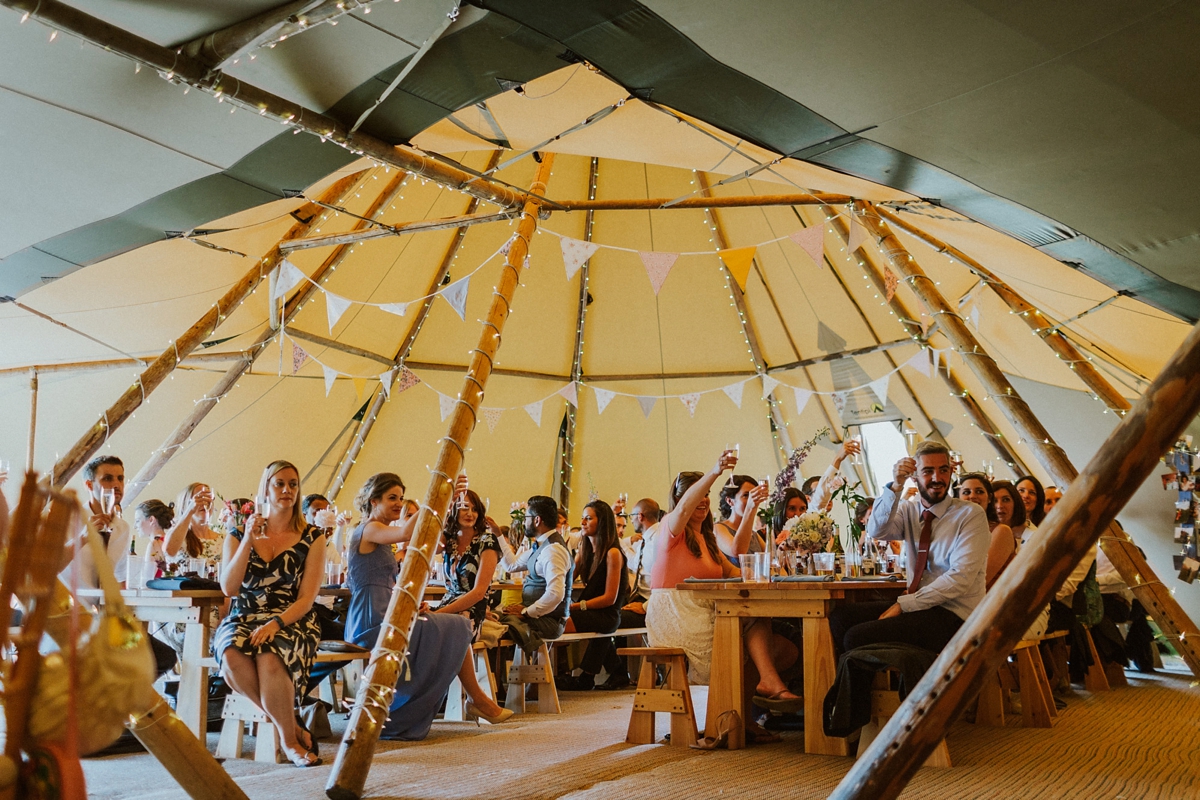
[
  {"x": 546, "y": 591},
  {"x": 947, "y": 543}
]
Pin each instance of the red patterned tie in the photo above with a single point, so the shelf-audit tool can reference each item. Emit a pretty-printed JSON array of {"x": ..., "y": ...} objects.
[{"x": 922, "y": 551}]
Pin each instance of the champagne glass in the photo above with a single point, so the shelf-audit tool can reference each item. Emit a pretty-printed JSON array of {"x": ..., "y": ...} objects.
[
  {"x": 108, "y": 501},
  {"x": 262, "y": 507},
  {"x": 910, "y": 439},
  {"x": 956, "y": 461},
  {"x": 856, "y": 460}
]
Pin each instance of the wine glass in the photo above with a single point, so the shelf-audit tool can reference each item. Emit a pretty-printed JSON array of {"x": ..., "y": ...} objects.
[
  {"x": 956, "y": 461},
  {"x": 262, "y": 507}
]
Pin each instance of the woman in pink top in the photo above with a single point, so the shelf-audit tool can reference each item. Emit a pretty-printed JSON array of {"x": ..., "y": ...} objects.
[{"x": 687, "y": 548}]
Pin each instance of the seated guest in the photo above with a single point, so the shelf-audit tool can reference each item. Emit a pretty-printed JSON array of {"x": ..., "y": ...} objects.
[
  {"x": 738, "y": 502},
  {"x": 267, "y": 643},
  {"x": 946, "y": 542},
  {"x": 1034, "y": 497},
  {"x": 312, "y": 504},
  {"x": 469, "y": 559},
  {"x": 601, "y": 563},
  {"x": 152, "y": 519},
  {"x": 687, "y": 548},
  {"x": 974, "y": 487},
  {"x": 546, "y": 591},
  {"x": 1053, "y": 495},
  {"x": 440, "y": 645},
  {"x": 1010, "y": 509},
  {"x": 821, "y": 496},
  {"x": 793, "y": 504},
  {"x": 192, "y": 536}
]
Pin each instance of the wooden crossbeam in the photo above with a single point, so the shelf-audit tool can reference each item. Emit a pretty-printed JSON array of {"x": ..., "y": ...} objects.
[
  {"x": 204, "y": 357},
  {"x": 380, "y": 232},
  {"x": 730, "y": 201}
]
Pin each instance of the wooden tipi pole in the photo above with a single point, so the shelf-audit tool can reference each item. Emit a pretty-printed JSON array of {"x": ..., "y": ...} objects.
[
  {"x": 355, "y": 444},
  {"x": 189, "y": 340},
  {"x": 375, "y": 692},
  {"x": 1041, "y": 325},
  {"x": 986, "y": 639},
  {"x": 1123, "y": 554},
  {"x": 175, "y": 440},
  {"x": 33, "y": 401}
]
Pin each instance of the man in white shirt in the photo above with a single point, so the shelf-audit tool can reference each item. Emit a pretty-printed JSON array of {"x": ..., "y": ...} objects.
[
  {"x": 101, "y": 475},
  {"x": 546, "y": 591},
  {"x": 946, "y": 542}
]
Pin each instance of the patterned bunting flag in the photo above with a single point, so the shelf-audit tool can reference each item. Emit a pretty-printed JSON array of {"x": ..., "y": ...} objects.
[
  {"x": 534, "y": 410},
  {"x": 571, "y": 392},
  {"x": 456, "y": 295},
  {"x": 647, "y": 404},
  {"x": 330, "y": 376},
  {"x": 812, "y": 241},
  {"x": 335, "y": 306},
  {"x": 734, "y": 392},
  {"x": 491, "y": 416},
  {"x": 839, "y": 401},
  {"x": 769, "y": 385},
  {"x": 858, "y": 235},
  {"x": 504, "y": 248},
  {"x": 407, "y": 380},
  {"x": 603, "y": 398},
  {"x": 690, "y": 401},
  {"x": 299, "y": 358},
  {"x": 739, "y": 261},
  {"x": 395, "y": 308},
  {"x": 658, "y": 266},
  {"x": 576, "y": 253},
  {"x": 802, "y": 396},
  {"x": 880, "y": 386},
  {"x": 288, "y": 276},
  {"x": 890, "y": 282},
  {"x": 446, "y": 405}
]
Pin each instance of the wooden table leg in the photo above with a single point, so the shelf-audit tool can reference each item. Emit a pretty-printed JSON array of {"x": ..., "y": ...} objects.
[
  {"x": 820, "y": 669},
  {"x": 192, "y": 701},
  {"x": 726, "y": 678}
]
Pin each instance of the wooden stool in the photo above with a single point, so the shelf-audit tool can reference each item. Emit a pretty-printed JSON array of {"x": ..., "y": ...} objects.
[
  {"x": 238, "y": 712},
  {"x": 1095, "y": 680},
  {"x": 674, "y": 696},
  {"x": 456, "y": 701},
  {"x": 1037, "y": 697},
  {"x": 885, "y": 701},
  {"x": 537, "y": 671}
]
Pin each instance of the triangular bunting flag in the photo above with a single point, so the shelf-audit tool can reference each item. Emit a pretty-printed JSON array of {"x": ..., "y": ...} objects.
[
  {"x": 603, "y": 398},
  {"x": 974, "y": 315},
  {"x": 335, "y": 306},
  {"x": 839, "y": 401},
  {"x": 802, "y": 396},
  {"x": 690, "y": 401},
  {"x": 647, "y": 404},
  {"x": 576, "y": 253},
  {"x": 890, "y": 282},
  {"x": 880, "y": 386},
  {"x": 571, "y": 392},
  {"x": 299, "y": 358},
  {"x": 658, "y": 266},
  {"x": 937, "y": 354},
  {"x": 330, "y": 376},
  {"x": 446, "y": 405},
  {"x": 525, "y": 263},
  {"x": 456, "y": 295},
  {"x": 920, "y": 361},
  {"x": 407, "y": 380},
  {"x": 360, "y": 384},
  {"x": 504, "y": 248},
  {"x": 769, "y": 385},
  {"x": 385, "y": 382},
  {"x": 534, "y": 410},
  {"x": 739, "y": 261},
  {"x": 828, "y": 340},
  {"x": 491, "y": 416},
  {"x": 858, "y": 235},
  {"x": 812, "y": 241},
  {"x": 734, "y": 392},
  {"x": 395, "y": 308},
  {"x": 289, "y": 276}
]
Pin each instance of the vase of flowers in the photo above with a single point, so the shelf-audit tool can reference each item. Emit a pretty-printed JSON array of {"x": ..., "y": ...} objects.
[{"x": 807, "y": 534}]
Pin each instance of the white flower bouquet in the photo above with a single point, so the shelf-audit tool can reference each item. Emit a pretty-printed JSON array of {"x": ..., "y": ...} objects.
[{"x": 809, "y": 533}]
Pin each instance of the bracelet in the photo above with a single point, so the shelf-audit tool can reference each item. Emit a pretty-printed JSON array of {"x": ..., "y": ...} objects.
[
  {"x": 583, "y": 605},
  {"x": 278, "y": 620}
]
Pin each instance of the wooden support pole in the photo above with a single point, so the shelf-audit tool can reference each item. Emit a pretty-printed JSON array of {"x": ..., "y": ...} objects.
[
  {"x": 355, "y": 444},
  {"x": 730, "y": 201},
  {"x": 1124, "y": 556},
  {"x": 168, "y": 739},
  {"x": 986, "y": 639},
  {"x": 182, "y": 68},
  {"x": 161, "y": 367},
  {"x": 226, "y": 382},
  {"x": 332, "y": 344},
  {"x": 219, "y": 47},
  {"x": 33, "y": 401},
  {"x": 1043, "y": 326},
  {"x": 118, "y": 363},
  {"x": 970, "y": 405},
  {"x": 349, "y": 774},
  {"x": 420, "y": 226}
]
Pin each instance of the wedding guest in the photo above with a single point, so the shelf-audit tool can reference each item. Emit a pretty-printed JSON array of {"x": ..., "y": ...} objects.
[
  {"x": 469, "y": 559},
  {"x": 946, "y": 540},
  {"x": 546, "y": 591},
  {"x": 687, "y": 548},
  {"x": 793, "y": 504},
  {"x": 1010, "y": 509},
  {"x": 191, "y": 535},
  {"x": 104, "y": 476},
  {"x": 312, "y": 504},
  {"x": 267, "y": 643},
  {"x": 974, "y": 487},
  {"x": 738, "y": 502},
  {"x": 601, "y": 564},
  {"x": 152, "y": 519},
  {"x": 821, "y": 496},
  {"x": 1053, "y": 495},
  {"x": 440, "y": 646},
  {"x": 1034, "y": 498}
]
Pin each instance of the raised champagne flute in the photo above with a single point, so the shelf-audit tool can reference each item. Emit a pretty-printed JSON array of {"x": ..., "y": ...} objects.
[
  {"x": 910, "y": 439},
  {"x": 262, "y": 507}
]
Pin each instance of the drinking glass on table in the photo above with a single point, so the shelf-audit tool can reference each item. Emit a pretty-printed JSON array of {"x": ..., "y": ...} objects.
[{"x": 825, "y": 563}]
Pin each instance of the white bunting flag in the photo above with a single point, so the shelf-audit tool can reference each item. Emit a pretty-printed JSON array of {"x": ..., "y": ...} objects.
[
  {"x": 802, "y": 396},
  {"x": 446, "y": 405},
  {"x": 456, "y": 295},
  {"x": 690, "y": 401},
  {"x": 858, "y": 235},
  {"x": 335, "y": 306},
  {"x": 534, "y": 410},
  {"x": 812, "y": 241},
  {"x": 839, "y": 401},
  {"x": 647, "y": 404},
  {"x": 603, "y": 398},
  {"x": 658, "y": 266},
  {"x": 576, "y": 253},
  {"x": 880, "y": 386},
  {"x": 385, "y": 382},
  {"x": 491, "y": 416},
  {"x": 974, "y": 315},
  {"x": 525, "y": 263},
  {"x": 571, "y": 392},
  {"x": 769, "y": 385},
  {"x": 937, "y": 354},
  {"x": 734, "y": 392},
  {"x": 920, "y": 361},
  {"x": 289, "y": 276},
  {"x": 395, "y": 308},
  {"x": 330, "y": 376}
]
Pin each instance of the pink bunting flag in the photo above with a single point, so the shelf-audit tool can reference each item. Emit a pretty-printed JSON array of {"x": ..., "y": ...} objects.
[
  {"x": 812, "y": 241},
  {"x": 299, "y": 358},
  {"x": 576, "y": 253},
  {"x": 647, "y": 404},
  {"x": 571, "y": 392},
  {"x": 658, "y": 266},
  {"x": 407, "y": 380},
  {"x": 858, "y": 235},
  {"x": 890, "y": 282},
  {"x": 690, "y": 401},
  {"x": 534, "y": 410},
  {"x": 603, "y": 398},
  {"x": 492, "y": 417},
  {"x": 504, "y": 248},
  {"x": 734, "y": 392}
]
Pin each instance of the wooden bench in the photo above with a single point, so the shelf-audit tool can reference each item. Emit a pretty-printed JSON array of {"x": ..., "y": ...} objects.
[
  {"x": 625, "y": 633},
  {"x": 672, "y": 696},
  {"x": 536, "y": 669},
  {"x": 1037, "y": 699},
  {"x": 885, "y": 701}
]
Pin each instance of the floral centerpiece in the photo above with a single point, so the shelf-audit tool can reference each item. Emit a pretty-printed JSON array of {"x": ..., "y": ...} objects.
[
  {"x": 787, "y": 476},
  {"x": 809, "y": 533},
  {"x": 233, "y": 518}
]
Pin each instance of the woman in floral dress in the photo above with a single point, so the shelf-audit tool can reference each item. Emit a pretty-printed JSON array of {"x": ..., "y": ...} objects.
[
  {"x": 470, "y": 559},
  {"x": 267, "y": 644}
]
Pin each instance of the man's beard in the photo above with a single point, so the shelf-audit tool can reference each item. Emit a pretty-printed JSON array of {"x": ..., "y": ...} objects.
[{"x": 929, "y": 501}]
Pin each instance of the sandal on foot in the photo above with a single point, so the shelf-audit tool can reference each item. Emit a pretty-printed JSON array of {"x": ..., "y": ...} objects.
[
  {"x": 725, "y": 723},
  {"x": 777, "y": 702},
  {"x": 303, "y": 759},
  {"x": 312, "y": 747}
]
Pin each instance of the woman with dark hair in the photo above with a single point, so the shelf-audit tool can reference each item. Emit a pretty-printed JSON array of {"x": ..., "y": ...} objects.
[
  {"x": 1010, "y": 510},
  {"x": 469, "y": 559},
  {"x": 600, "y": 562},
  {"x": 267, "y": 643},
  {"x": 793, "y": 504},
  {"x": 1034, "y": 498},
  {"x": 974, "y": 487},
  {"x": 738, "y": 502},
  {"x": 192, "y": 535}
]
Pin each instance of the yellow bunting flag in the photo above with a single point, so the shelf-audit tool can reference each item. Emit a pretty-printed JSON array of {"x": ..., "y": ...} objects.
[
  {"x": 360, "y": 384},
  {"x": 739, "y": 261}
]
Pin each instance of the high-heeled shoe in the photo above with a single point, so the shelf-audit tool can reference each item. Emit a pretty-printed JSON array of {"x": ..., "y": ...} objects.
[
  {"x": 312, "y": 747},
  {"x": 303, "y": 759},
  {"x": 727, "y": 722},
  {"x": 472, "y": 711}
]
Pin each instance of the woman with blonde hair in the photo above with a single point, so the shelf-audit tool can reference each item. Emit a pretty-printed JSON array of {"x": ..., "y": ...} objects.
[
  {"x": 267, "y": 643},
  {"x": 192, "y": 535}
]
